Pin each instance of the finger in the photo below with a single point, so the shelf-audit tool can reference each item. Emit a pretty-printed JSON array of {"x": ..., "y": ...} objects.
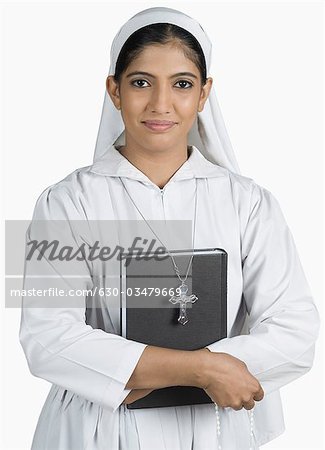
[
  {"x": 249, "y": 405},
  {"x": 259, "y": 395},
  {"x": 237, "y": 407}
]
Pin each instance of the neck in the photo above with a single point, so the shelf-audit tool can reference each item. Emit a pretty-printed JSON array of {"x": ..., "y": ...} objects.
[{"x": 158, "y": 167}]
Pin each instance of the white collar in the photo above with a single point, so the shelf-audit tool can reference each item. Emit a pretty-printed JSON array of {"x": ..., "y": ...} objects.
[{"x": 114, "y": 164}]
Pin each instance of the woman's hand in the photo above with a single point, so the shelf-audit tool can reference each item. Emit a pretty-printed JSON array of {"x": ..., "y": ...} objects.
[
  {"x": 228, "y": 382},
  {"x": 136, "y": 394}
]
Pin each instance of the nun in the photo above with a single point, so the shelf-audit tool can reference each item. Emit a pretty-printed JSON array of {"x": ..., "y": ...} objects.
[{"x": 163, "y": 153}]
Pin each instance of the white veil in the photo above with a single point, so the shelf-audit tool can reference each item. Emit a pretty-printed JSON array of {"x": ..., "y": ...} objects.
[{"x": 208, "y": 132}]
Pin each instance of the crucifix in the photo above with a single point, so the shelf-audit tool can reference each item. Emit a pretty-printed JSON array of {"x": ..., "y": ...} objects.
[{"x": 183, "y": 299}]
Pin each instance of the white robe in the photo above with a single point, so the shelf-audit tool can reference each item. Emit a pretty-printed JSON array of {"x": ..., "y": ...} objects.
[{"x": 89, "y": 363}]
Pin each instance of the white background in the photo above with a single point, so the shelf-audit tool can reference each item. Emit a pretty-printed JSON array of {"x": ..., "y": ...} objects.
[{"x": 268, "y": 75}]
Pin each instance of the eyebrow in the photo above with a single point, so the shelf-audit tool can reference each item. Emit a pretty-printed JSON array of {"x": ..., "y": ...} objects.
[{"x": 186, "y": 74}]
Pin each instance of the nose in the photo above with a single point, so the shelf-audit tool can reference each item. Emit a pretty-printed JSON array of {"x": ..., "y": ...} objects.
[{"x": 161, "y": 99}]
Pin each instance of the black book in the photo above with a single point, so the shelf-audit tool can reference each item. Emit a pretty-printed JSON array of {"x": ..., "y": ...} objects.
[{"x": 147, "y": 315}]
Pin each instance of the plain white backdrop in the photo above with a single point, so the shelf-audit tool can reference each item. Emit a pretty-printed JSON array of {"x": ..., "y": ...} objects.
[{"x": 268, "y": 76}]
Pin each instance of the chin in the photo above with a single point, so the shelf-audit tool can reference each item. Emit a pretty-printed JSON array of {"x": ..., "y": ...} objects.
[
  {"x": 161, "y": 140},
  {"x": 160, "y": 144}
]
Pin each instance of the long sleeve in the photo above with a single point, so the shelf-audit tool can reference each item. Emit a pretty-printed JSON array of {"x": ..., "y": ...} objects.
[
  {"x": 283, "y": 320},
  {"x": 59, "y": 345}
]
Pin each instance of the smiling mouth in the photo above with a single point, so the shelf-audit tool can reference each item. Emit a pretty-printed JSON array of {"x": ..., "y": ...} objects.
[{"x": 159, "y": 126}]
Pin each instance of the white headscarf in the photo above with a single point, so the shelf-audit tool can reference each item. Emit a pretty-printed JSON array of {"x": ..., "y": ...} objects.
[{"x": 208, "y": 132}]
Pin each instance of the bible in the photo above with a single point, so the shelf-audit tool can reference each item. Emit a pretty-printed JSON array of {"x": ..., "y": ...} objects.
[{"x": 151, "y": 310}]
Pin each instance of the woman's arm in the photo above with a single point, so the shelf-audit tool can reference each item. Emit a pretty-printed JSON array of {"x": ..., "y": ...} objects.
[
  {"x": 59, "y": 345},
  {"x": 161, "y": 367},
  {"x": 283, "y": 319},
  {"x": 224, "y": 377}
]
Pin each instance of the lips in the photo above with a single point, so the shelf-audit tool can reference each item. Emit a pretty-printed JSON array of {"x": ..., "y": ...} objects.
[
  {"x": 159, "y": 125},
  {"x": 159, "y": 122}
]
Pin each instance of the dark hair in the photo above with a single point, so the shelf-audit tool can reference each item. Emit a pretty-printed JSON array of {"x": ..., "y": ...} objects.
[{"x": 160, "y": 33}]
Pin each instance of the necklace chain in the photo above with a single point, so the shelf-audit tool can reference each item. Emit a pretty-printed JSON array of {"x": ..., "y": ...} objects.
[{"x": 195, "y": 217}]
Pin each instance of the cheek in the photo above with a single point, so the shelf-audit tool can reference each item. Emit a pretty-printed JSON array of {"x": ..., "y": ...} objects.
[
  {"x": 187, "y": 104},
  {"x": 134, "y": 103},
  {"x": 132, "y": 106}
]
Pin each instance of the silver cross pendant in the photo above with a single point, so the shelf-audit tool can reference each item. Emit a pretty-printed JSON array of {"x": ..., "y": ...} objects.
[{"x": 183, "y": 299}]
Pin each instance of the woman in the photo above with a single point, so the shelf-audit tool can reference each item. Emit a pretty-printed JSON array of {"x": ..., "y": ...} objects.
[{"x": 146, "y": 170}]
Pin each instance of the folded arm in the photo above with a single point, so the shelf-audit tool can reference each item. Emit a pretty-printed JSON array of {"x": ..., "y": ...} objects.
[{"x": 283, "y": 320}]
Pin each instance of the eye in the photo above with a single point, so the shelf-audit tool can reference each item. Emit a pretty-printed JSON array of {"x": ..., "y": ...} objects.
[
  {"x": 137, "y": 81},
  {"x": 185, "y": 81},
  {"x": 189, "y": 84}
]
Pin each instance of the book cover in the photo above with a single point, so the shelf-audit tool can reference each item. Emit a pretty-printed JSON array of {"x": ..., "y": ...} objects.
[{"x": 147, "y": 315}]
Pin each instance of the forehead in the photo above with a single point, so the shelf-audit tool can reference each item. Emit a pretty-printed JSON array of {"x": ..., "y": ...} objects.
[{"x": 157, "y": 53}]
